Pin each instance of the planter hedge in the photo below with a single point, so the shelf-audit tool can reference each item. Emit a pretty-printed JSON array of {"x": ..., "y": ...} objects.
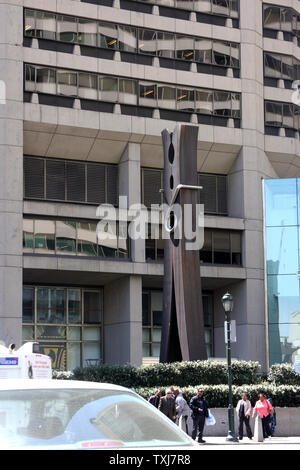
[
  {"x": 283, "y": 374},
  {"x": 217, "y": 395},
  {"x": 181, "y": 373}
]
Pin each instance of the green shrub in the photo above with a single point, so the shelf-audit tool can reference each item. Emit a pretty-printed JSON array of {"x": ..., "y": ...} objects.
[
  {"x": 181, "y": 373},
  {"x": 283, "y": 374}
]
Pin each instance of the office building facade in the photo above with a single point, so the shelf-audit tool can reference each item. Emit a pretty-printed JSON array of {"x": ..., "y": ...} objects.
[{"x": 86, "y": 89}]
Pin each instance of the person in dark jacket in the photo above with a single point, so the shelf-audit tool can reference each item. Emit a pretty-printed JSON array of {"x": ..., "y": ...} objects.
[
  {"x": 167, "y": 406},
  {"x": 154, "y": 399},
  {"x": 199, "y": 408}
]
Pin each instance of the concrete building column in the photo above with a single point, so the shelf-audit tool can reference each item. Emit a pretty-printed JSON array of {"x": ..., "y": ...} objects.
[
  {"x": 130, "y": 186},
  {"x": 123, "y": 321},
  {"x": 11, "y": 170}
]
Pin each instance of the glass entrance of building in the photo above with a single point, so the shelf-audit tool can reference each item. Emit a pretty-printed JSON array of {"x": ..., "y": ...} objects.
[{"x": 282, "y": 264}]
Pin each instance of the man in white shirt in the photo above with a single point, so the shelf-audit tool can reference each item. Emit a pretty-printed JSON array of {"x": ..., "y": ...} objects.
[{"x": 243, "y": 411}]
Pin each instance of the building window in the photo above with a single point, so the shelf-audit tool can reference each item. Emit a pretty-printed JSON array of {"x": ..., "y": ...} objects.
[
  {"x": 152, "y": 322},
  {"x": 281, "y": 19},
  {"x": 152, "y": 301},
  {"x": 214, "y": 192},
  {"x": 64, "y": 180},
  {"x": 132, "y": 39},
  {"x": 77, "y": 238},
  {"x": 285, "y": 115},
  {"x": 67, "y": 323},
  {"x": 282, "y": 235},
  {"x": 218, "y": 103}
]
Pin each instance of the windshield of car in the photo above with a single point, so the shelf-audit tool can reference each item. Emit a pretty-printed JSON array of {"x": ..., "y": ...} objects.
[{"x": 83, "y": 418}]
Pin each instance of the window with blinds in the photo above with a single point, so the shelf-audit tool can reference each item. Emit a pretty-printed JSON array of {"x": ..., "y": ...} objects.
[
  {"x": 213, "y": 195},
  {"x": 64, "y": 180}
]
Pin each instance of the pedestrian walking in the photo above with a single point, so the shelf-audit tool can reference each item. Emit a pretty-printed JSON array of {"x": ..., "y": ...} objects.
[
  {"x": 273, "y": 418},
  {"x": 264, "y": 410},
  {"x": 167, "y": 406},
  {"x": 182, "y": 411},
  {"x": 154, "y": 399},
  {"x": 199, "y": 408},
  {"x": 243, "y": 410}
]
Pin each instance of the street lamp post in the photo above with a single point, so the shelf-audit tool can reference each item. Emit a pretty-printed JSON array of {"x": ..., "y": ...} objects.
[{"x": 227, "y": 301}]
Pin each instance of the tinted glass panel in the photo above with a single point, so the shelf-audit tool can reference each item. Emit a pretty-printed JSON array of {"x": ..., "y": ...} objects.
[
  {"x": 281, "y": 202},
  {"x": 108, "y": 35},
  {"x": 66, "y": 28},
  {"x": 165, "y": 44},
  {"x": 87, "y": 32},
  {"x": 127, "y": 39},
  {"x": 45, "y": 25},
  {"x": 147, "y": 41},
  {"x": 184, "y": 47},
  {"x": 203, "y": 50},
  {"x": 147, "y": 94},
  {"x": 272, "y": 17},
  {"x": 46, "y": 80},
  {"x": 166, "y": 97}
]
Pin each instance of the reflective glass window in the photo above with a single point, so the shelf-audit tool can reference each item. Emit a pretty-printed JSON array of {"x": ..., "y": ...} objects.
[
  {"x": 127, "y": 91},
  {"x": 236, "y": 249},
  {"x": 51, "y": 305},
  {"x": 87, "y": 239},
  {"x": 29, "y": 23},
  {"x": 28, "y": 305},
  {"x": 66, "y": 236},
  {"x": 67, "y": 83},
  {"x": 108, "y": 89},
  {"x": 236, "y": 105},
  {"x": 127, "y": 38},
  {"x": 108, "y": 35},
  {"x": 88, "y": 86},
  {"x": 147, "y": 94},
  {"x": 166, "y": 3},
  {"x": 45, "y": 25},
  {"x": 222, "y": 103},
  {"x": 46, "y": 80},
  {"x": 204, "y": 101},
  {"x": 281, "y": 246},
  {"x": 185, "y": 99},
  {"x": 184, "y": 47},
  {"x": 284, "y": 341},
  {"x": 286, "y": 19},
  {"x": 166, "y": 96},
  {"x": 234, "y": 8},
  {"x": 107, "y": 239},
  {"x": 28, "y": 235},
  {"x": 66, "y": 28},
  {"x": 221, "y": 7},
  {"x": 288, "y": 115},
  {"x": 186, "y": 4},
  {"x": 203, "y": 50},
  {"x": 147, "y": 41},
  {"x": 30, "y": 78},
  {"x": 272, "y": 17},
  {"x": 166, "y": 44},
  {"x": 281, "y": 202},
  {"x": 206, "y": 251},
  {"x": 204, "y": 6},
  {"x": 92, "y": 307},
  {"x": 74, "y": 308},
  {"x": 296, "y": 117},
  {"x": 235, "y": 55},
  {"x": 221, "y": 247},
  {"x": 221, "y": 53},
  {"x": 44, "y": 235},
  {"x": 273, "y": 114},
  {"x": 287, "y": 67},
  {"x": 87, "y": 32},
  {"x": 272, "y": 65}
]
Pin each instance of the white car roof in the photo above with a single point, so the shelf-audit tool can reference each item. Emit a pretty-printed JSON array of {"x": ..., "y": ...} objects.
[{"x": 33, "y": 384}]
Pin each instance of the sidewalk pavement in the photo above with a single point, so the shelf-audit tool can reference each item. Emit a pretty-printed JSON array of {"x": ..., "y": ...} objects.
[{"x": 275, "y": 443}]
